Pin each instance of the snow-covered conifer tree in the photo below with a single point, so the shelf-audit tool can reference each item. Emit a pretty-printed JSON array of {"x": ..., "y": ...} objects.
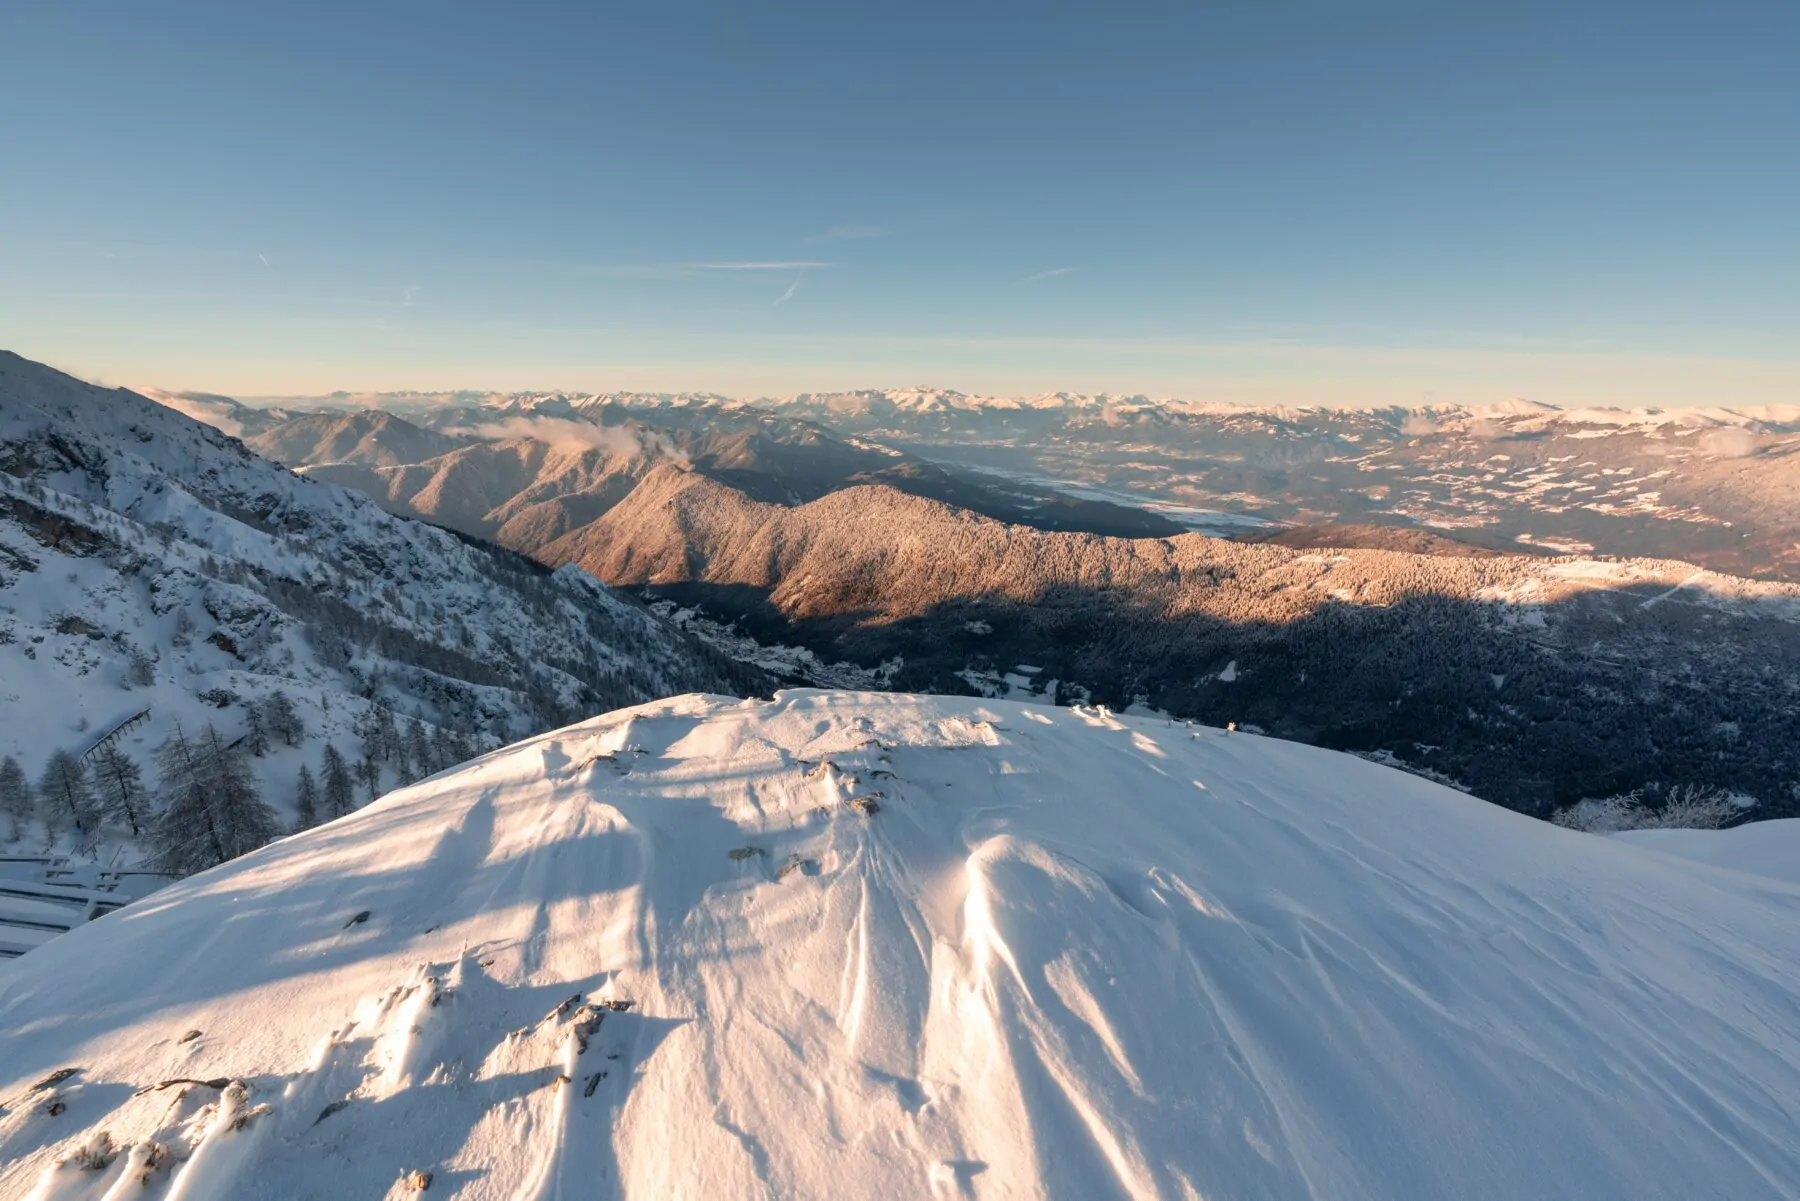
[
  {"x": 120, "y": 782},
  {"x": 213, "y": 812},
  {"x": 67, "y": 792},
  {"x": 306, "y": 800},
  {"x": 17, "y": 801},
  {"x": 339, "y": 797},
  {"x": 282, "y": 719}
]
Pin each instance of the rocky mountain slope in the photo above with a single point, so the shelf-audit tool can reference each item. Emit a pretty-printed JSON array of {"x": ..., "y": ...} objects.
[
  {"x": 532, "y": 468},
  {"x": 156, "y": 575},
  {"x": 874, "y": 945},
  {"x": 367, "y": 437}
]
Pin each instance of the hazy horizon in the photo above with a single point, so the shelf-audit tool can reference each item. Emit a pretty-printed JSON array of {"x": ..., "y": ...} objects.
[{"x": 376, "y": 396}]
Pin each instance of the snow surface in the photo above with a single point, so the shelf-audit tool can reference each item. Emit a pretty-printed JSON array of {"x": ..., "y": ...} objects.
[
  {"x": 1770, "y": 848},
  {"x": 1066, "y": 955}
]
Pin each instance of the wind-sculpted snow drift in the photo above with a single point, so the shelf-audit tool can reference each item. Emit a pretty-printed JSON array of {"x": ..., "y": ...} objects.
[{"x": 842, "y": 945}]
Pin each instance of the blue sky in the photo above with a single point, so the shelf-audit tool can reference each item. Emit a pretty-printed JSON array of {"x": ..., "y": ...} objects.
[{"x": 1310, "y": 202}]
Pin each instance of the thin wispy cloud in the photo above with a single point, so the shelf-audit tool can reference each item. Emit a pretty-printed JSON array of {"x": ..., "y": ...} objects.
[
  {"x": 1050, "y": 274},
  {"x": 791, "y": 289}
]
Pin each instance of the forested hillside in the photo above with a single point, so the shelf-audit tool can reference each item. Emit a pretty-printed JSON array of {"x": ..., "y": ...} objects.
[{"x": 1533, "y": 682}]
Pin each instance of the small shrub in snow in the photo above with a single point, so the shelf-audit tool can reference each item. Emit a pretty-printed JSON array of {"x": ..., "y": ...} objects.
[
  {"x": 94, "y": 1153},
  {"x": 1688, "y": 807},
  {"x": 1692, "y": 807},
  {"x": 140, "y": 668}
]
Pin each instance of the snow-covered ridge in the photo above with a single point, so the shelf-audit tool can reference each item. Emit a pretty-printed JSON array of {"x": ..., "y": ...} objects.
[
  {"x": 1515, "y": 413},
  {"x": 862, "y": 945},
  {"x": 147, "y": 562}
]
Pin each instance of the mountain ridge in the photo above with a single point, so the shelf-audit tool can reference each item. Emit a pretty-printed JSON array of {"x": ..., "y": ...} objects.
[{"x": 150, "y": 562}]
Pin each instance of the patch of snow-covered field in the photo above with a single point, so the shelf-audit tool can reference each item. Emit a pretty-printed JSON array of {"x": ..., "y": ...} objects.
[{"x": 863, "y": 945}]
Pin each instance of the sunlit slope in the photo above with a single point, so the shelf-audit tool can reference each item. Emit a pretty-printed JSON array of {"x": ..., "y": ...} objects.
[{"x": 890, "y": 946}]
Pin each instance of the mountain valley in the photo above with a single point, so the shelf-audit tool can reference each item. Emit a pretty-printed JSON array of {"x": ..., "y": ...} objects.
[{"x": 1460, "y": 657}]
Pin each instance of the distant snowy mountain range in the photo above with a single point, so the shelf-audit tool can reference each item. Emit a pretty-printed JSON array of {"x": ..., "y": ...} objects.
[
  {"x": 864, "y": 946},
  {"x": 923, "y": 400}
]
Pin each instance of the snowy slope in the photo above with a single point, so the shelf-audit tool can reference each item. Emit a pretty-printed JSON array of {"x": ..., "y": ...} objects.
[
  {"x": 1764, "y": 848},
  {"x": 1065, "y": 955},
  {"x": 147, "y": 562}
]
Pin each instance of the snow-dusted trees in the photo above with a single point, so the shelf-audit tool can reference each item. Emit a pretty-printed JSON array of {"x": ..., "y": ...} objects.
[
  {"x": 67, "y": 793},
  {"x": 380, "y": 739},
  {"x": 339, "y": 795},
  {"x": 306, "y": 800},
  {"x": 282, "y": 719},
  {"x": 443, "y": 750},
  {"x": 17, "y": 802},
  {"x": 420, "y": 761},
  {"x": 1686, "y": 807},
  {"x": 213, "y": 811},
  {"x": 369, "y": 772},
  {"x": 140, "y": 668},
  {"x": 256, "y": 730},
  {"x": 120, "y": 783}
]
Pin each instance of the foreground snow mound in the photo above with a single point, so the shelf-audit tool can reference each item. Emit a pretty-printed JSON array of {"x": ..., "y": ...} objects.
[
  {"x": 1769, "y": 848},
  {"x": 846, "y": 946}
]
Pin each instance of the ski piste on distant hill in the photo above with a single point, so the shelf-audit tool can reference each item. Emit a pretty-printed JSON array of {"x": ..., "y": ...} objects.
[
  {"x": 150, "y": 565},
  {"x": 872, "y": 945}
]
